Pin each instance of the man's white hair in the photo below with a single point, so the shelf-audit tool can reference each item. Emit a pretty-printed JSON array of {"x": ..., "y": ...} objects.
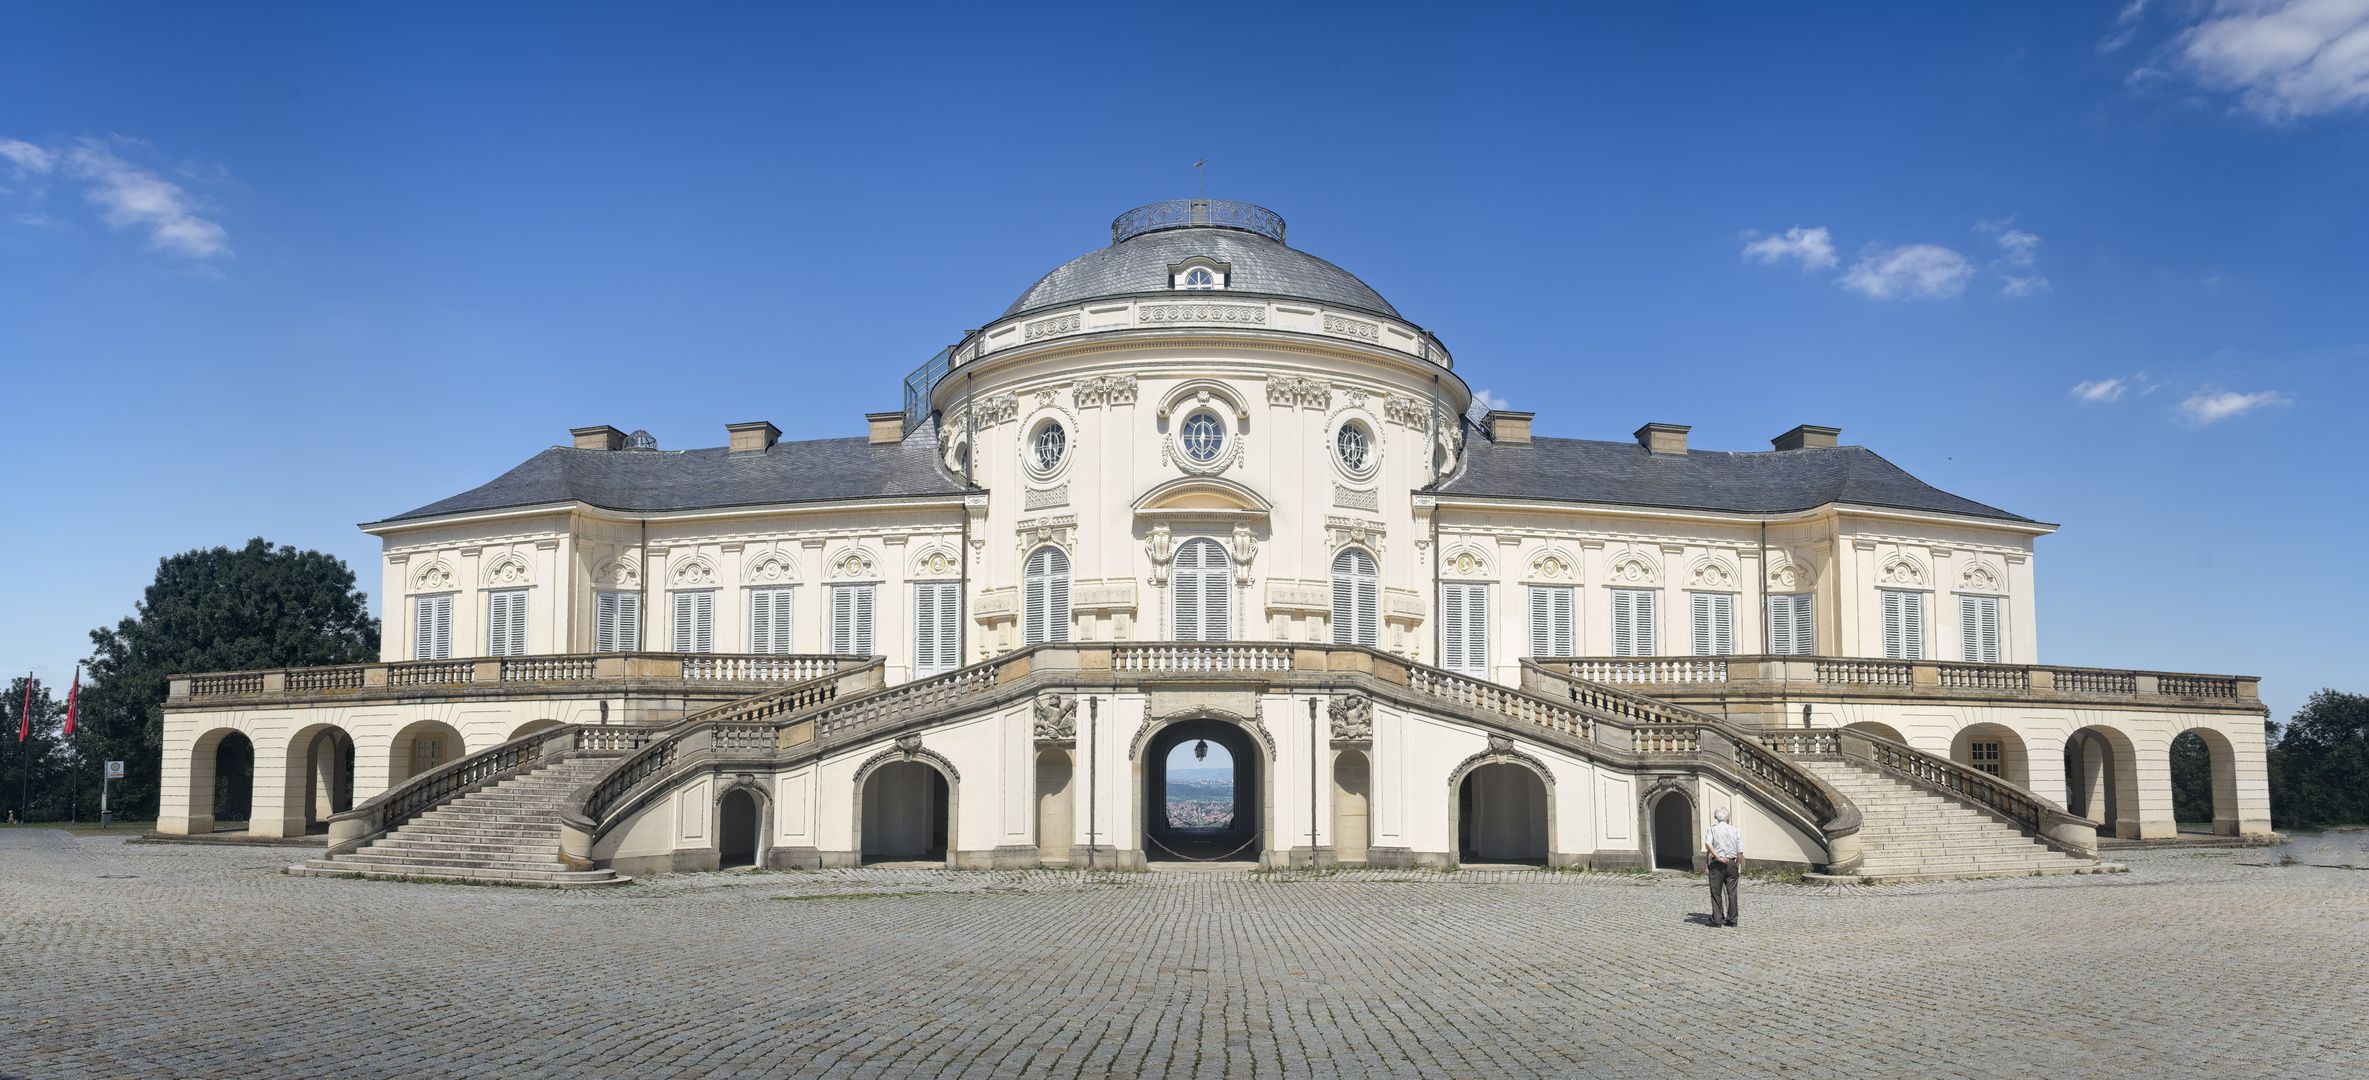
[{"x": 1719, "y": 814}]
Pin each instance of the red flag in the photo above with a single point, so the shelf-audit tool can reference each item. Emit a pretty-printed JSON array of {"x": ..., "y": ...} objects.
[
  {"x": 71, "y": 694},
  {"x": 24, "y": 717}
]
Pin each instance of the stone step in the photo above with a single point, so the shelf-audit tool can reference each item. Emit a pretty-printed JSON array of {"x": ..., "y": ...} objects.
[
  {"x": 460, "y": 845},
  {"x": 368, "y": 859},
  {"x": 466, "y": 876}
]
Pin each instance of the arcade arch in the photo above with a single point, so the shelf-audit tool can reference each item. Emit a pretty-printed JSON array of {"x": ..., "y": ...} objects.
[
  {"x": 2102, "y": 779},
  {"x": 1243, "y": 836},
  {"x": 421, "y": 747},
  {"x": 1995, "y": 749},
  {"x": 1503, "y": 814},
  {"x": 319, "y": 777},
  {"x": 1672, "y": 821},
  {"x": 221, "y": 779},
  {"x": 906, "y": 813},
  {"x": 2204, "y": 778}
]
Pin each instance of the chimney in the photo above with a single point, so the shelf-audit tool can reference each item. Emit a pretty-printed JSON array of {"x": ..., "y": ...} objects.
[
  {"x": 1508, "y": 428},
  {"x": 602, "y": 437},
  {"x": 1663, "y": 438},
  {"x": 757, "y": 436},
  {"x": 887, "y": 427},
  {"x": 1807, "y": 437}
]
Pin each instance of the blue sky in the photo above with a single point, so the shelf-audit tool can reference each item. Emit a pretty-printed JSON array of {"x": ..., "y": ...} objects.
[{"x": 278, "y": 269}]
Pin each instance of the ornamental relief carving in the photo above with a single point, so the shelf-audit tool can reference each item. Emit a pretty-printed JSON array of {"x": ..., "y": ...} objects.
[
  {"x": 1554, "y": 564},
  {"x": 1465, "y": 561},
  {"x": 1712, "y": 574},
  {"x": 1340, "y": 532},
  {"x": 1901, "y": 570},
  {"x": 1979, "y": 578},
  {"x": 623, "y": 572},
  {"x": 697, "y": 571},
  {"x": 1154, "y": 314},
  {"x": 1060, "y": 532},
  {"x": 1295, "y": 391},
  {"x": 1356, "y": 328},
  {"x": 1789, "y": 576},
  {"x": 769, "y": 568},
  {"x": 510, "y": 569},
  {"x": 434, "y": 577},
  {"x": 1055, "y": 326},
  {"x": 1057, "y": 717},
  {"x": 851, "y": 563},
  {"x": 936, "y": 560},
  {"x": 1103, "y": 390},
  {"x": 999, "y": 409},
  {"x": 1353, "y": 718},
  {"x": 1411, "y": 412},
  {"x": 1630, "y": 568}
]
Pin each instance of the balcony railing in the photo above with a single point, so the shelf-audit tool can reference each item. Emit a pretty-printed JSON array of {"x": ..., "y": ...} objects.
[{"x": 1744, "y": 673}]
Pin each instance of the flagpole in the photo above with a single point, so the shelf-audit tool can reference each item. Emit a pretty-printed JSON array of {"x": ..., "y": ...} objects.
[
  {"x": 73, "y": 754},
  {"x": 24, "y": 755}
]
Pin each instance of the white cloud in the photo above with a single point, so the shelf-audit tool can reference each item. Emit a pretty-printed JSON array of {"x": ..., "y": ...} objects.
[
  {"x": 2022, "y": 286},
  {"x": 2102, "y": 390},
  {"x": 128, "y": 196},
  {"x": 1915, "y": 271},
  {"x": 2285, "y": 58},
  {"x": 2126, "y": 25},
  {"x": 2018, "y": 247},
  {"x": 2207, "y": 406},
  {"x": 1813, "y": 247},
  {"x": 1489, "y": 400},
  {"x": 27, "y": 157}
]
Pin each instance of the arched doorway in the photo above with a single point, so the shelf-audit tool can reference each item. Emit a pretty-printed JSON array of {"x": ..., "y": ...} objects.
[
  {"x": 221, "y": 780},
  {"x": 320, "y": 777},
  {"x": 1352, "y": 806},
  {"x": 1201, "y": 788},
  {"x": 736, "y": 829},
  {"x": 1994, "y": 749},
  {"x": 1056, "y": 807},
  {"x": 2204, "y": 782},
  {"x": 905, "y": 813},
  {"x": 1501, "y": 815},
  {"x": 422, "y": 747},
  {"x": 1674, "y": 832}
]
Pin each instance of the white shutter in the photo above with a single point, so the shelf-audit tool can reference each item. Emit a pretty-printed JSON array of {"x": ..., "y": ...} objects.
[
  {"x": 518, "y": 623},
  {"x": 1551, "y": 621},
  {"x": 1476, "y": 629},
  {"x": 1057, "y": 599},
  {"x": 1722, "y": 623},
  {"x": 1187, "y": 592},
  {"x": 629, "y": 622},
  {"x": 1978, "y": 629},
  {"x": 1355, "y": 592},
  {"x": 423, "y": 628},
  {"x": 1451, "y": 637},
  {"x": 1217, "y": 594},
  {"x": 1805, "y": 614},
  {"x": 1704, "y": 632},
  {"x": 1904, "y": 625},
  {"x": 1781, "y": 624},
  {"x": 695, "y": 621},
  {"x": 936, "y": 621},
  {"x": 505, "y": 623},
  {"x": 1624, "y": 619},
  {"x": 842, "y": 619},
  {"x": 769, "y": 620},
  {"x": 862, "y": 617},
  {"x": 437, "y": 622},
  {"x": 1892, "y": 632},
  {"x": 604, "y": 622},
  {"x": 1045, "y": 583}
]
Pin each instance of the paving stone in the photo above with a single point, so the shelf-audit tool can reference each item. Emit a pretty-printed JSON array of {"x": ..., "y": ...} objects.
[{"x": 211, "y": 962}]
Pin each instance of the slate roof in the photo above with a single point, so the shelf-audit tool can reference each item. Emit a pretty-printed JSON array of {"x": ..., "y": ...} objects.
[
  {"x": 1626, "y": 474},
  {"x": 662, "y": 480},
  {"x": 1140, "y": 264}
]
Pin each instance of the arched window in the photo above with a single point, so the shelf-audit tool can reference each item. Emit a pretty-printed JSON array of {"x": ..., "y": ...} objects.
[
  {"x": 1204, "y": 591},
  {"x": 1355, "y": 588},
  {"x": 1046, "y": 582},
  {"x": 1200, "y": 279}
]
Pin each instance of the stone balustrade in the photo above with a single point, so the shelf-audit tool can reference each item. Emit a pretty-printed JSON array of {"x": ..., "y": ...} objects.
[
  {"x": 515, "y": 673},
  {"x": 1687, "y": 675}
]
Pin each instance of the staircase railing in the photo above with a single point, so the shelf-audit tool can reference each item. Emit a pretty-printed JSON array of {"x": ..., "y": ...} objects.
[
  {"x": 2035, "y": 815},
  {"x": 390, "y": 809}
]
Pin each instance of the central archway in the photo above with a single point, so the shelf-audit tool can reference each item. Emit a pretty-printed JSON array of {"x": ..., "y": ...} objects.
[{"x": 1205, "y": 830}]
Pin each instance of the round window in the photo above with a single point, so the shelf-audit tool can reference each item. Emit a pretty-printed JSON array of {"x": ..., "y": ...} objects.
[
  {"x": 1200, "y": 279},
  {"x": 1203, "y": 436},
  {"x": 1354, "y": 446},
  {"x": 1051, "y": 442}
]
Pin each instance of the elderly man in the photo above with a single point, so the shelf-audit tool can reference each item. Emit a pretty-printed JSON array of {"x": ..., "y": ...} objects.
[{"x": 1724, "y": 843}]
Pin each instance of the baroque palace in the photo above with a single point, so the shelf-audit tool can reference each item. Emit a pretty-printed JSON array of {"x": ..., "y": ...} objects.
[{"x": 1197, "y": 487}]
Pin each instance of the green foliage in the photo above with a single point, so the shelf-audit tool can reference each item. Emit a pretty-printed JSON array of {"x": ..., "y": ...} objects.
[
  {"x": 2192, "y": 779},
  {"x": 2319, "y": 764},
  {"x": 33, "y": 773},
  {"x": 213, "y": 609}
]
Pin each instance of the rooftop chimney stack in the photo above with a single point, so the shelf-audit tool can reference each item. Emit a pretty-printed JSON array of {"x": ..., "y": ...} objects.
[
  {"x": 1664, "y": 438},
  {"x": 756, "y": 436},
  {"x": 887, "y": 427},
  {"x": 1807, "y": 437},
  {"x": 601, "y": 437},
  {"x": 1508, "y": 428}
]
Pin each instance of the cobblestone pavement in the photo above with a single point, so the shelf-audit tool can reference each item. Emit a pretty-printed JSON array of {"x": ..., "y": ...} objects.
[{"x": 124, "y": 960}]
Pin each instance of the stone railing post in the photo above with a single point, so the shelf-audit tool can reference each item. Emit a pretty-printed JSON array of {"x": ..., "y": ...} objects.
[
  {"x": 1924, "y": 675},
  {"x": 486, "y": 671},
  {"x": 2249, "y": 690},
  {"x": 2146, "y": 684},
  {"x": 374, "y": 675},
  {"x": 275, "y": 682},
  {"x": 178, "y": 688},
  {"x": 2040, "y": 678}
]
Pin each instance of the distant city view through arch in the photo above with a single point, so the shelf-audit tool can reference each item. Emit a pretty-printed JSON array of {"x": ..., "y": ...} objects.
[{"x": 1200, "y": 788}]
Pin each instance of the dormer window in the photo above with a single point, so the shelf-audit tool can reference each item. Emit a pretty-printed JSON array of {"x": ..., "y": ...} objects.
[{"x": 1199, "y": 274}]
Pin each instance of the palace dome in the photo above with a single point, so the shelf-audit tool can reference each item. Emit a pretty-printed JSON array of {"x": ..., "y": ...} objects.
[{"x": 1149, "y": 240}]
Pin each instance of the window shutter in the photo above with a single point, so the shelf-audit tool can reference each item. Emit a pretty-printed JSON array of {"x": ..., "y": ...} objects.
[
  {"x": 1541, "y": 622},
  {"x": 1781, "y": 624},
  {"x": 1369, "y": 610},
  {"x": 1032, "y": 605},
  {"x": 604, "y": 622},
  {"x": 842, "y": 619},
  {"x": 925, "y": 628},
  {"x": 1188, "y": 594},
  {"x": 1566, "y": 613},
  {"x": 703, "y": 621},
  {"x": 1969, "y": 630},
  {"x": 518, "y": 623},
  {"x": 1476, "y": 629},
  {"x": 505, "y": 623},
  {"x": 629, "y": 622},
  {"x": 1805, "y": 634},
  {"x": 1624, "y": 619},
  {"x": 443, "y": 606},
  {"x": 1217, "y": 585},
  {"x": 423, "y": 632},
  {"x": 1705, "y": 633},
  {"x": 1344, "y": 602},
  {"x": 1057, "y": 600},
  {"x": 1355, "y": 593},
  {"x": 769, "y": 620},
  {"x": 863, "y": 619},
  {"x": 1894, "y": 643},
  {"x": 1451, "y": 650},
  {"x": 683, "y": 616},
  {"x": 1990, "y": 631}
]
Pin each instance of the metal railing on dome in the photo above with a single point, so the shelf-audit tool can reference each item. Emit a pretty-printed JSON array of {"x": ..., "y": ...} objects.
[
  {"x": 923, "y": 380},
  {"x": 1182, "y": 213}
]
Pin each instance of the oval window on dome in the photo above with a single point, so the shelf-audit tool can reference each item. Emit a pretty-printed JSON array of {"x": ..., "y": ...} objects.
[
  {"x": 1203, "y": 436},
  {"x": 1051, "y": 443},
  {"x": 1354, "y": 445},
  {"x": 1200, "y": 278}
]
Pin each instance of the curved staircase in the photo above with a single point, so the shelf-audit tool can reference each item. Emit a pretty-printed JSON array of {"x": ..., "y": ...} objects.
[
  {"x": 505, "y": 834},
  {"x": 1908, "y": 833}
]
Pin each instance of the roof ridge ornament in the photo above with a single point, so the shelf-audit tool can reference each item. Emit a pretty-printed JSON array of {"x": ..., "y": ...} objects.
[{"x": 1197, "y": 214}]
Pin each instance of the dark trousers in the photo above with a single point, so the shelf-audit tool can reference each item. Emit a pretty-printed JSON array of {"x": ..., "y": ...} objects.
[{"x": 1723, "y": 891}]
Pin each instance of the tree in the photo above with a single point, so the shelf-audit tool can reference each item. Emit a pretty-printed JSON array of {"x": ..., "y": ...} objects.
[
  {"x": 40, "y": 796},
  {"x": 213, "y": 609},
  {"x": 2319, "y": 767}
]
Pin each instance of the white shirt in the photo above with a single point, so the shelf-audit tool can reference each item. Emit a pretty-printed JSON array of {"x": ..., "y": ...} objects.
[{"x": 1725, "y": 840}]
